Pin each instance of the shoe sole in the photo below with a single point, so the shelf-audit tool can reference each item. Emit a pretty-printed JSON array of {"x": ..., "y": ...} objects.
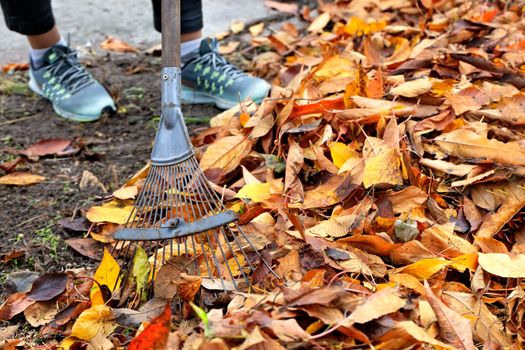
[
  {"x": 190, "y": 96},
  {"x": 60, "y": 112}
]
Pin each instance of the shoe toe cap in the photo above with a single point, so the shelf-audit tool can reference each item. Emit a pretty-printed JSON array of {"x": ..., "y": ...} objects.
[
  {"x": 257, "y": 90},
  {"x": 89, "y": 103}
]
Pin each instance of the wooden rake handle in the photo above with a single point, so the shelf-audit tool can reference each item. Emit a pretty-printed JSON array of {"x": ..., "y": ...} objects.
[{"x": 171, "y": 37}]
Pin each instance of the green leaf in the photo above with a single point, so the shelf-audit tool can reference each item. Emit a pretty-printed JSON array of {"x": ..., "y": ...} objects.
[
  {"x": 204, "y": 317},
  {"x": 140, "y": 271}
]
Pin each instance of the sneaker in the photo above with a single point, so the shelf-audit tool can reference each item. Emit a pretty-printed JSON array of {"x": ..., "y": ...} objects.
[
  {"x": 208, "y": 78},
  {"x": 74, "y": 93}
]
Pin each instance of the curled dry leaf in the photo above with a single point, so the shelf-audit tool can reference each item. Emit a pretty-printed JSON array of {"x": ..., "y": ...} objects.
[
  {"x": 454, "y": 328},
  {"x": 412, "y": 88},
  {"x": 513, "y": 202}
]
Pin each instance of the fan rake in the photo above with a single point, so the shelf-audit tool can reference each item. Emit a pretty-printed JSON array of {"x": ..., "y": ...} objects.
[{"x": 177, "y": 213}]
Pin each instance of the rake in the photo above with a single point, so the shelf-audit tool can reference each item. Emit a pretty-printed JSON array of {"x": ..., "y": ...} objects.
[{"x": 177, "y": 212}]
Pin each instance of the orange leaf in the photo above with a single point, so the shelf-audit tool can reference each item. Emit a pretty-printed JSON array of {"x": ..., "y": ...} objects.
[
  {"x": 371, "y": 244},
  {"x": 114, "y": 44},
  {"x": 155, "y": 336},
  {"x": 15, "y": 67}
]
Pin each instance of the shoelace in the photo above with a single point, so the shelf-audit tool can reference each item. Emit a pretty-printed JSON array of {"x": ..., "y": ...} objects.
[
  {"x": 220, "y": 64},
  {"x": 69, "y": 72}
]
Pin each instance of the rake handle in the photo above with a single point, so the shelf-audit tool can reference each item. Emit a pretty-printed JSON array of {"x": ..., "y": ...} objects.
[{"x": 171, "y": 36}]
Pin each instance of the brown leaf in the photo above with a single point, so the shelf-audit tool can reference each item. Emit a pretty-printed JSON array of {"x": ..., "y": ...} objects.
[
  {"x": 21, "y": 179},
  {"x": 412, "y": 88},
  {"x": 13, "y": 305},
  {"x": 469, "y": 99},
  {"x": 441, "y": 238},
  {"x": 485, "y": 324},
  {"x": 406, "y": 200},
  {"x": 454, "y": 328},
  {"x": 381, "y": 303},
  {"x": 512, "y": 204},
  {"x": 114, "y": 44},
  {"x": 225, "y": 154},
  {"x": 40, "y": 313},
  {"x": 472, "y": 213},
  {"x": 333, "y": 191},
  {"x": 87, "y": 247},
  {"x": 469, "y": 144}
]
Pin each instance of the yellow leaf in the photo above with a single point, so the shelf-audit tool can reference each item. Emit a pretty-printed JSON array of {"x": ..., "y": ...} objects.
[
  {"x": 340, "y": 153},
  {"x": 256, "y": 29},
  {"x": 358, "y": 26},
  {"x": 237, "y": 27},
  {"x": 425, "y": 268},
  {"x": 68, "y": 342},
  {"x": 126, "y": 192},
  {"x": 465, "y": 261},
  {"x": 335, "y": 66},
  {"x": 107, "y": 274},
  {"x": 407, "y": 281},
  {"x": 107, "y": 214},
  {"x": 21, "y": 179},
  {"x": 226, "y": 153},
  {"x": 382, "y": 164},
  {"x": 503, "y": 265},
  {"x": 257, "y": 192},
  {"x": 91, "y": 322}
]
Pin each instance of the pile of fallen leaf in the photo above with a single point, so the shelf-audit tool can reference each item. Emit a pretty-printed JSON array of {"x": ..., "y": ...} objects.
[{"x": 385, "y": 171}]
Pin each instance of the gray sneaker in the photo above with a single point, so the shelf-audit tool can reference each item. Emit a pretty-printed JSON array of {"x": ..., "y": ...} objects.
[
  {"x": 208, "y": 78},
  {"x": 74, "y": 93}
]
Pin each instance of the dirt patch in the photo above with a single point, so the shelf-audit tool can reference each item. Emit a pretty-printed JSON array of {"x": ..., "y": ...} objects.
[{"x": 115, "y": 148}]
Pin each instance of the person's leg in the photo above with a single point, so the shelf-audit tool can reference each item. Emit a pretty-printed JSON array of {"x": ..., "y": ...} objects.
[
  {"x": 191, "y": 24},
  {"x": 55, "y": 72},
  {"x": 207, "y": 77}
]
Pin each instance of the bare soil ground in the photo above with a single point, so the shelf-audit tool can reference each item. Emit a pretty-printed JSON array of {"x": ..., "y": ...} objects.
[{"x": 113, "y": 149}]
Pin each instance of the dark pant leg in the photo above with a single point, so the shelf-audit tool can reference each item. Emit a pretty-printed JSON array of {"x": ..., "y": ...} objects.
[
  {"x": 28, "y": 17},
  {"x": 191, "y": 13}
]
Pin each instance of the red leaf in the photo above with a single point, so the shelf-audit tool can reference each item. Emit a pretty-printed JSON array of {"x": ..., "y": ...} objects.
[
  {"x": 155, "y": 336},
  {"x": 46, "y": 147}
]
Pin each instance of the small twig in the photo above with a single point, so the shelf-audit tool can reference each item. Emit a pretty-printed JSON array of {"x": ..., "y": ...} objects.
[
  {"x": 29, "y": 220},
  {"x": 17, "y": 120}
]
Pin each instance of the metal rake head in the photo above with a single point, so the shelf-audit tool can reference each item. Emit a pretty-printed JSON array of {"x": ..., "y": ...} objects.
[{"x": 177, "y": 214}]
